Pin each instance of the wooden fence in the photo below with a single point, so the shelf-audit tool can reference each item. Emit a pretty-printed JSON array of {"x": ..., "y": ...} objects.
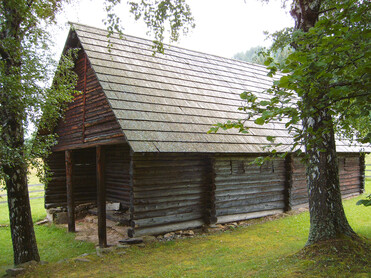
[
  {"x": 368, "y": 171},
  {"x": 30, "y": 191}
]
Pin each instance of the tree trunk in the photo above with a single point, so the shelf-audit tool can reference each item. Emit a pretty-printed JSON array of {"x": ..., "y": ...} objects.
[
  {"x": 21, "y": 226},
  {"x": 12, "y": 116},
  {"x": 327, "y": 217}
]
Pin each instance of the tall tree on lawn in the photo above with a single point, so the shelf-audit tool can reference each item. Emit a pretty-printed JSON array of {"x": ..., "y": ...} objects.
[
  {"x": 324, "y": 92},
  {"x": 329, "y": 76},
  {"x": 26, "y": 67},
  {"x": 24, "y": 71}
]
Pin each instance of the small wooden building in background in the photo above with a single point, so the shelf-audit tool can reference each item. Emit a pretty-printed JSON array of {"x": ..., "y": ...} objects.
[{"x": 137, "y": 134}]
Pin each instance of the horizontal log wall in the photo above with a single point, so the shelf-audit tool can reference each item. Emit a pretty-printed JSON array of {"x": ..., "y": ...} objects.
[
  {"x": 117, "y": 176},
  {"x": 242, "y": 189},
  {"x": 89, "y": 118},
  {"x": 170, "y": 191},
  {"x": 349, "y": 176},
  {"x": 298, "y": 192},
  {"x": 177, "y": 191},
  {"x": 55, "y": 190},
  {"x": 83, "y": 178}
]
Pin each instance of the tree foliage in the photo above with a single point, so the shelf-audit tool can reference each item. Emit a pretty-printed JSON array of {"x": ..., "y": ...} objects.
[
  {"x": 25, "y": 69},
  {"x": 172, "y": 16},
  {"x": 257, "y": 55},
  {"x": 330, "y": 66}
]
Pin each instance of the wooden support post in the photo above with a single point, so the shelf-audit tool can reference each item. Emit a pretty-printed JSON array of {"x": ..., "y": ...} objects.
[
  {"x": 70, "y": 197},
  {"x": 101, "y": 198}
]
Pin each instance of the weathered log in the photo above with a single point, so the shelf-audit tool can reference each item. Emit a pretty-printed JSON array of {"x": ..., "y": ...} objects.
[
  {"x": 252, "y": 208},
  {"x": 77, "y": 145},
  {"x": 176, "y": 218},
  {"x": 167, "y": 193},
  {"x": 165, "y": 228},
  {"x": 174, "y": 198},
  {"x": 249, "y": 191},
  {"x": 168, "y": 205},
  {"x": 245, "y": 216},
  {"x": 233, "y": 184},
  {"x": 250, "y": 200},
  {"x": 170, "y": 183},
  {"x": 249, "y": 177},
  {"x": 198, "y": 207}
]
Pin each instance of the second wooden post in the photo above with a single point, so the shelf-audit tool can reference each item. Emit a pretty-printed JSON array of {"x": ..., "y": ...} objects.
[{"x": 101, "y": 198}]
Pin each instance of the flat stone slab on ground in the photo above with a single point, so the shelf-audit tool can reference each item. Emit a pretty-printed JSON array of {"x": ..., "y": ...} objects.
[
  {"x": 134, "y": 240},
  {"x": 15, "y": 271},
  {"x": 84, "y": 260},
  {"x": 42, "y": 222}
]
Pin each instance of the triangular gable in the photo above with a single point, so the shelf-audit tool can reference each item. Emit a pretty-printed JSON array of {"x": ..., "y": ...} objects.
[{"x": 89, "y": 119}]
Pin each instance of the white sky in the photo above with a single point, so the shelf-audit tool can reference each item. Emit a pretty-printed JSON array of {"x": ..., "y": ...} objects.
[{"x": 223, "y": 27}]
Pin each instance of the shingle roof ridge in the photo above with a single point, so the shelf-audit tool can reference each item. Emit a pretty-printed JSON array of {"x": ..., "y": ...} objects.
[{"x": 217, "y": 57}]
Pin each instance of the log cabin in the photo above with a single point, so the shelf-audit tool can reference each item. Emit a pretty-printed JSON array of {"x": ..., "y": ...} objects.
[{"x": 137, "y": 135}]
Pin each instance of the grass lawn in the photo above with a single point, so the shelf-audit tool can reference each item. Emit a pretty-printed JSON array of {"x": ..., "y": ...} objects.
[
  {"x": 54, "y": 243},
  {"x": 259, "y": 250}
]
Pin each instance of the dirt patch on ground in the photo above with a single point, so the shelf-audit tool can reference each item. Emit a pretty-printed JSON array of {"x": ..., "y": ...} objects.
[{"x": 87, "y": 230}]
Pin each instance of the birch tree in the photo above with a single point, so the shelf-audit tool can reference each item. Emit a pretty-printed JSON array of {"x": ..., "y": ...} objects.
[
  {"x": 25, "y": 67},
  {"x": 324, "y": 93}
]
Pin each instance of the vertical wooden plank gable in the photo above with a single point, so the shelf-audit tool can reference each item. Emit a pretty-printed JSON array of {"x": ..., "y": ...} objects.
[{"x": 89, "y": 118}]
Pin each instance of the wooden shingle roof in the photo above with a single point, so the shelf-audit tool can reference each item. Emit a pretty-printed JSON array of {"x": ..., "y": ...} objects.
[{"x": 168, "y": 102}]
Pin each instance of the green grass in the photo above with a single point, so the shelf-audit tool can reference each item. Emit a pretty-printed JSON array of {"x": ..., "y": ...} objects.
[
  {"x": 54, "y": 243},
  {"x": 259, "y": 250}
]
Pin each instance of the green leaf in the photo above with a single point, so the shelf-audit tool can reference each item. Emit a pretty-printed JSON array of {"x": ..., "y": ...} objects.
[
  {"x": 243, "y": 95},
  {"x": 259, "y": 121},
  {"x": 268, "y": 61},
  {"x": 264, "y": 103}
]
